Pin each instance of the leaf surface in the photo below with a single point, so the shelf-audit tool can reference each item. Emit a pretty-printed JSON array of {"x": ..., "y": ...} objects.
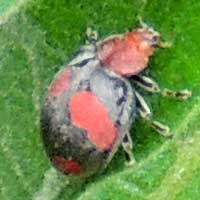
[{"x": 37, "y": 38}]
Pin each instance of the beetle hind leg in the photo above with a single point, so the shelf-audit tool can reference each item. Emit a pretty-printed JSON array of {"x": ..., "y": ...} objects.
[
  {"x": 145, "y": 113},
  {"x": 127, "y": 145},
  {"x": 151, "y": 86}
]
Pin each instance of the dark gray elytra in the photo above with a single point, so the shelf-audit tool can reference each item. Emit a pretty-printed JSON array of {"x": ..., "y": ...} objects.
[{"x": 68, "y": 145}]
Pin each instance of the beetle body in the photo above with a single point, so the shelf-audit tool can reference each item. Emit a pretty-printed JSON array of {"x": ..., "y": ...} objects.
[
  {"x": 90, "y": 104},
  {"x": 85, "y": 118}
]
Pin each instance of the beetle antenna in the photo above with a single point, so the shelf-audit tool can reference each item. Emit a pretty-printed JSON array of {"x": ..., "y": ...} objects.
[
  {"x": 142, "y": 24},
  {"x": 162, "y": 44}
]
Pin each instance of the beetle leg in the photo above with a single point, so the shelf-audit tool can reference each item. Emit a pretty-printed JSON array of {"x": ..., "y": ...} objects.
[
  {"x": 92, "y": 35},
  {"x": 151, "y": 86},
  {"x": 127, "y": 145},
  {"x": 146, "y": 83},
  {"x": 142, "y": 107},
  {"x": 145, "y": 113},
  {"x": 182, "y": 94}
]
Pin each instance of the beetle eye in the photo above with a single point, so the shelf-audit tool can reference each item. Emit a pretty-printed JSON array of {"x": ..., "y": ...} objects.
[{"x": 155, "y": 40}]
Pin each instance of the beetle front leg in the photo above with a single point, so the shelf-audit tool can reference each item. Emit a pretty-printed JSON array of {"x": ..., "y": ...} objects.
[
  {"x": 127, "y": 145},
  {"x": 145, "y": 113},
  {"x": 146, "y": 83},
  {"x": 151, "y": 86},
  {"x": 181, "y": 95}
]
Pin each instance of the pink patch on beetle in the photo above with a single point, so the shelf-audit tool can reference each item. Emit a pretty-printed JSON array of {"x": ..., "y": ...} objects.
[
  {"x": 88, "y": 113},
  {"x": 126, "y": 55},
  {"x": 67, "y": 166},
  {"x": 61, "y": 83}
]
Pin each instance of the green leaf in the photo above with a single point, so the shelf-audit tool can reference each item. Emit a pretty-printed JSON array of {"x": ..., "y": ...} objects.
[{"x": 36, "y": 38}]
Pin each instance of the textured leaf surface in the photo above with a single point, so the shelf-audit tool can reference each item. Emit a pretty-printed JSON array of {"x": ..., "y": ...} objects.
[{"x": 37, "y": 38}]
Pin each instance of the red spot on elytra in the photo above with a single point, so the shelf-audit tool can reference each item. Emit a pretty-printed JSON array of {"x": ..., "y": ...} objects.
[
  {"x": 60, "y": 83},
  {"x": 88, "y": 113},
  {"x": 126, "y": 55},
  {"x": 67, "y": 166}
]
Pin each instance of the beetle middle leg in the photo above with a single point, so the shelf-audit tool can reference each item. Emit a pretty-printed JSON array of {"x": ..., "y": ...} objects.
[
  {"x": 127, "y": 145},
  {"x": 145, "y": 113},
  {"x": 151, "y": 86}
]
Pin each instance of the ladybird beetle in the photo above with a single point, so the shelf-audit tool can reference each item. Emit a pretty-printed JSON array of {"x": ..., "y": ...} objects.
[{"x": 92, "y": 101}]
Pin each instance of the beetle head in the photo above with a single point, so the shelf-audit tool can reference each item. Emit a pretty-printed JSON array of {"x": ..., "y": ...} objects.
[{"x": 146, "y": 38}]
